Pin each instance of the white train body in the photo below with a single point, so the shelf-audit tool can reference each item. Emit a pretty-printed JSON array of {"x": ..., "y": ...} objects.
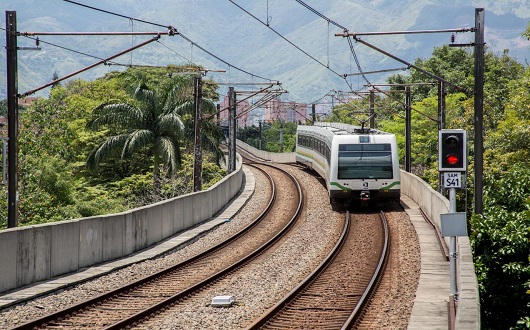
[{"x": 356, "y": 164}]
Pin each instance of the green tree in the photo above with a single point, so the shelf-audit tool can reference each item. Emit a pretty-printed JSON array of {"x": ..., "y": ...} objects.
[
  {"x": 456, "y": 65},
  {"x": 501, "y": 244},
  {"x": 151, "y": 125},
  {"x": 510, "y": 142},
  {"x": 527, "y": 32},
  {"x": 3, "y": 107},
  {"x": 272, "y": 137}
]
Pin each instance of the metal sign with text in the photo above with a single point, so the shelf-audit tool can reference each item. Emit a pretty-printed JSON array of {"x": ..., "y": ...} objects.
[{"x": 452, "y": 180}]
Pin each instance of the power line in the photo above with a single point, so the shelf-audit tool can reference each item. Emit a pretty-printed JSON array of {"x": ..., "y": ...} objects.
[
  {"x": 320, "y": 14},
  {"x": 108, "y": 63},
  {"x": 169, "y": 27},
  {"x": 357, "y": 60},
  {"x": 330, "y": 21},
  {"x": 174, "y": 51},
  {"x": 290, "y": 42}
]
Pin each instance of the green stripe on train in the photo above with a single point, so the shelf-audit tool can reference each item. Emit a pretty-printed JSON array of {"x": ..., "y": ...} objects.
[{"x": 341, "y": 187}]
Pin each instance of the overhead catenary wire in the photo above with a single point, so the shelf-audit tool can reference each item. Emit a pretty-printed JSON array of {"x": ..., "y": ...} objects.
[
  {"x": 107, "y": 63},
  {"x": 170, "y": 28},
  {"x": 290, "y": 42},
  {"x": 350, "y": 42},
  {"x": 330, "y": 21},
  {"x": 357, "y": 60}
]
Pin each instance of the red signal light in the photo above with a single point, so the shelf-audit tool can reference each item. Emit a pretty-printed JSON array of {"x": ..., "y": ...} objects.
[{"x": 451, "y": 159}]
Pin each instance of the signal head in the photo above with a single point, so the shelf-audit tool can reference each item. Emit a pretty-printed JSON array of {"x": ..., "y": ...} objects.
[{"x": 452, "y": 150}]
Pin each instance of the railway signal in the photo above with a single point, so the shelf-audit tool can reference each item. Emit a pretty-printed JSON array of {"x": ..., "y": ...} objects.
[{"x": 452, "y": 150}]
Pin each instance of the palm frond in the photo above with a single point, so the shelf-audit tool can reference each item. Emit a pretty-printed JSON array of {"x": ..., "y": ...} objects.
[
  {"x": 171, "y": 124},
  {"x": 121, "y": 114},
  {"x": 187, "y": 107},
  {"x": 208, "y": 106},
  {"x": 147, "y": 96},
  {"x": 169, "y": 150},
  {"x": 137, "y": 140},
  {"x": 107, "y": 149}
]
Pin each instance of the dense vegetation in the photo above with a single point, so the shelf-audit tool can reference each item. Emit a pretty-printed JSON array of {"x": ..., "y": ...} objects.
[
  {"x": 116, "y": 143},
  {"x": 500, "y": 237}
]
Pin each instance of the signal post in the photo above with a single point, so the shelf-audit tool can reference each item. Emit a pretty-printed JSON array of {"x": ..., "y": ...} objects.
[{"x": 452, "y": 164}]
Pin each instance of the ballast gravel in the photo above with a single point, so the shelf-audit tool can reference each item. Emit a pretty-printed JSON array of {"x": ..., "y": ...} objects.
[{"x": 261, "y": 285}]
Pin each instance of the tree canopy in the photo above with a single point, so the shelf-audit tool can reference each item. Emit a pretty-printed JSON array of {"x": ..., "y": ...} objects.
[{"x": 55, "y": 143}]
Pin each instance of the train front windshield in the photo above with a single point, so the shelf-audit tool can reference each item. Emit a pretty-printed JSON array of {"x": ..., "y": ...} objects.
[{"x": 365, "y": 161}]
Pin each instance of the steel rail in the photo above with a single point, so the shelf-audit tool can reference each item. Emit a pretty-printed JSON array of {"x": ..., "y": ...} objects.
[
  {"x": 76, "y": 307},
  {"x": 265, "y": 318},
  {"x": 262, "y": 320},
  {"x": 376, "y": 277},
  {"x": 136, "y": 318}
]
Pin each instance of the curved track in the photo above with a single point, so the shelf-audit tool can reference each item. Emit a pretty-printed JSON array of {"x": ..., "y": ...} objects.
[
  {"x": 333, "y": 295},
  {"x": 138, "y": 300}
]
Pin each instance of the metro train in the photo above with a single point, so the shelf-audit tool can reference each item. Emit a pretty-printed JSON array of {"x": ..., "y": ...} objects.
[{"x": 359, "y": 165}]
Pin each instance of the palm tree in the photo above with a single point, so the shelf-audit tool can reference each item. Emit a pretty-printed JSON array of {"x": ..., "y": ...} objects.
[{"x": 153, "y": 121}]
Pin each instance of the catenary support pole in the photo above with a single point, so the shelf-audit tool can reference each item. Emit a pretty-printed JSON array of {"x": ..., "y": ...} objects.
[
  {"x": 197, "y": 164},
  {"x": 260, "y": 137},
  {"x": 408, "y": 129},
  {"x": 479, "y": 108},
  {"x": 281, "y": 135},
  {"x": 441, "y": 104},
  {"x": 12, "y": 119},
  {"x": 372, "y": 106},
  {"x": 233, "y": 129},
  {"x": 441, "y": 120}
]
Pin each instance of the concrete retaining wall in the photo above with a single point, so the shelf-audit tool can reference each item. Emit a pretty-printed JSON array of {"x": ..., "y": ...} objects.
[
  {"x": 34, "y": 253},
  {"x": 286, "y": 157},
  {"x": 433, "y": 203}
]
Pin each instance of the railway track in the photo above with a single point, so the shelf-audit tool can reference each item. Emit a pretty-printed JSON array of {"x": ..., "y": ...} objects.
[
  {"x": 141, "y": 299},
  {"x": 333, "y": 296}
]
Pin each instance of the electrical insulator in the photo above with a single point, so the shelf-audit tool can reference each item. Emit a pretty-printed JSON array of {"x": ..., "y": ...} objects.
[{"x": 453, "y": 38}]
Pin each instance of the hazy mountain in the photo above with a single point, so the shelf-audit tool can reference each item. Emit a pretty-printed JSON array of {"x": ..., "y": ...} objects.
[{"x": 237, "y": 38}]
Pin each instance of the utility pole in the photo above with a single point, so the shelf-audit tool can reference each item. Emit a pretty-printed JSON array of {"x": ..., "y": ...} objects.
[
  {"x": 12, "y": 119},
  {"x": 232, "y": 130},
  {"x": 441, "y": 105},
  {"x": 281, "y": 135},
  {"x": 372, "y": 108},
  {"x": 260, "y": 135},
  {"x": 479, "y": 108},
  {"x": 197, "y": 165},
  {"x": 408, "y": 129}
]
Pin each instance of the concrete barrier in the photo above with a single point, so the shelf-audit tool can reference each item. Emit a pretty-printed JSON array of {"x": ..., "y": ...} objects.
[
  {"x": 286, "y": 157},
  {"x": 433, "y": 203},
  {"x": 35, "y": 253},
  {"x": 62, "y": 260}
]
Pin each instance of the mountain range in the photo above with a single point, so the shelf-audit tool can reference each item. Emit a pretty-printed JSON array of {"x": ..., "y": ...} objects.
[{"x": 279, "y": 40}]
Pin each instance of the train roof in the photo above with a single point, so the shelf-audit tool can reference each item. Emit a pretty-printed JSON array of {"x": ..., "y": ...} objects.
[{"x": 346, "y": 129}]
